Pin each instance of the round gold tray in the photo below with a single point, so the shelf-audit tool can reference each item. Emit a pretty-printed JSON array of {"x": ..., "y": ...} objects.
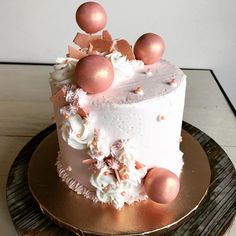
[{"x": 77, "y": 214}]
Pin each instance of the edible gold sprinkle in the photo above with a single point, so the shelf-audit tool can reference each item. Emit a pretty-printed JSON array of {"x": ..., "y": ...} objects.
[
  {"x": 138, "y": 91},
  {"x": 172, "y": 82}
]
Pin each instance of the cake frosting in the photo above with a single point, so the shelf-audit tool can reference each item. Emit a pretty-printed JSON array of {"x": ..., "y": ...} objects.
[
  {"x": 152, "y": 120},
  {"x": 112, "y": 131}
]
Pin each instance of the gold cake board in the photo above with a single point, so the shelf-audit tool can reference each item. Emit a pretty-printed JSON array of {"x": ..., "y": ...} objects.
[{"x": 77, "y": 214}]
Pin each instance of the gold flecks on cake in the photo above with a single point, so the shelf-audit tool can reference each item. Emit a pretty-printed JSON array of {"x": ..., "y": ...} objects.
[
  {"x": 161, "y": 117},
  {"x": 138, "y": 91},
  {"x": 172, "y": 82},
  {"x": 148, "y": 72},
  {"x": 89, "y": 161}
]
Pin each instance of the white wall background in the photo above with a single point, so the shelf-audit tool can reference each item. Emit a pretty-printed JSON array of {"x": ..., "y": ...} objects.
[{"x": 198, "y": 34}]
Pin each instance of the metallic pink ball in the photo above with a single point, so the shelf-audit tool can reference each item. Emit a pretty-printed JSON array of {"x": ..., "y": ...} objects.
[
  {"x": 161, "y": 185},
  {"x": 91, "y": 17},
  {"x": 149, "y": 48},
  {"x": 94, "y": 73}
]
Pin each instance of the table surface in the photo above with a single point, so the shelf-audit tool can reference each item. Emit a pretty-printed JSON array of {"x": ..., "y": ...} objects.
[{"x": 25, "y": 110}]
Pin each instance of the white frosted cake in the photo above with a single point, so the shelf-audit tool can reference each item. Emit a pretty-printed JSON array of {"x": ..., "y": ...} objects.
[{"x": 110, "y": 140}]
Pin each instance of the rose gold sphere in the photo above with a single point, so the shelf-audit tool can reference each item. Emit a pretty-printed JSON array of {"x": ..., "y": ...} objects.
[
  {"x": 94, "y": 73},
  {"x": 149, "y": 48},
  {"x": 161, "y": 185},
  {"x": 91, "y": 17}
]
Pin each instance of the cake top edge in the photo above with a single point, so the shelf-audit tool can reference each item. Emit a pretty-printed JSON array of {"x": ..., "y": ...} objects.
[{"x": 133, "y": 82}]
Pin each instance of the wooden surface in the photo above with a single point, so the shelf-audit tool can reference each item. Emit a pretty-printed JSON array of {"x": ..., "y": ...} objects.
[{"x": 25, "y": 110}]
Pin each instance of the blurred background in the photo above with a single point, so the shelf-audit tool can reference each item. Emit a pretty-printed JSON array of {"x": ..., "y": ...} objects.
[{"x": 198, "y": 34}]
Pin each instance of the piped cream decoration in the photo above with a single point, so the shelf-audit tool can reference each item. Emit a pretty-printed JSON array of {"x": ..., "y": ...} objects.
[
  {"x": 63, "y": 71},
  {"x": 76, "y": 132},
  {"x": 124, "y": 69},
  {"x": 125, "y": 185},
  {"x": 99, "y": 148}
]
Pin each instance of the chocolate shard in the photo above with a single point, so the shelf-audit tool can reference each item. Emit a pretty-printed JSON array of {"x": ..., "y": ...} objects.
[
  {"x": 125, "y": 49},
  {"x": 102, "y": 45},
  {"x": 83, "y": 40},
  {"x": 76, "y": 53},
  {"x": 82, "y": 112},
  {"x": 106, "y": 35}
]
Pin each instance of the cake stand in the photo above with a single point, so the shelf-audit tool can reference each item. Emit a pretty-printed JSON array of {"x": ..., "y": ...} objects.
[{"x": 205, "y": 204}]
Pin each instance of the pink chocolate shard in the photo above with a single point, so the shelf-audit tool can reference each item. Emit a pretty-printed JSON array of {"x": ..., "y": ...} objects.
[
  {"x": 106, "y": 35},
  {"x": 125, "y": 49},
  {"x": 58, "y": 99},
  {"x": 82, "y": 112},
  {"x": 75, "y": 53},
  {"x": 102, "y": 45},
  {"x": 91, "y": 51},
  {"x": 89, "y": 161},
  {"x": 83, "y": 40},
  {"x": 138, "y": 165}
]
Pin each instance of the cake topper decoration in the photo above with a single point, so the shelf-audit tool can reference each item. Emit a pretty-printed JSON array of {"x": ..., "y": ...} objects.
[
  {"x": 106, "y": 35},
  {"x": 94, "y": 73},
  {"x": 91, "y": 17},
  {"x": 149, "y": 48},
  {"x": 161, "y": 185},
  {"x": 77, "y": 54},
  {"x": 91, "y": 44},
  {"x": 125, "y": 49},
  {"x": 84, "y": 40},
  {"x": 102, "y": 45}
]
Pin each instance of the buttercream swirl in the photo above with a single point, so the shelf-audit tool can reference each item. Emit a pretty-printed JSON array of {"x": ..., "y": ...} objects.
[
  {"x": 124, "y": 69},
  {"x": 126, "y": 189},
  {"x": 64, "y": 70},
  {"x": 77, "y": 132},
  {"x": 100, "y": 146}
]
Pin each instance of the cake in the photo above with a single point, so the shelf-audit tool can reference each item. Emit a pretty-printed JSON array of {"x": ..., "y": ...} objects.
[{"x": 118, "y": 112}]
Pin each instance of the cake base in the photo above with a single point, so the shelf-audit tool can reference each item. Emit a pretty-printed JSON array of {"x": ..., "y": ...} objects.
[{"x": 74, "y": 212}]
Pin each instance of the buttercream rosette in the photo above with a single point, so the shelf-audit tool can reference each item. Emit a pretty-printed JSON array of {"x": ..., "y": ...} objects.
[
  {"x": 64, "y": 70},
  {"x": 77, "y": 132}
]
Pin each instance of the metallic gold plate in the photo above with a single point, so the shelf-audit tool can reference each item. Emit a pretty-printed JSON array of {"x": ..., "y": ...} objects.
[{"x": 74, "y": 212}]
